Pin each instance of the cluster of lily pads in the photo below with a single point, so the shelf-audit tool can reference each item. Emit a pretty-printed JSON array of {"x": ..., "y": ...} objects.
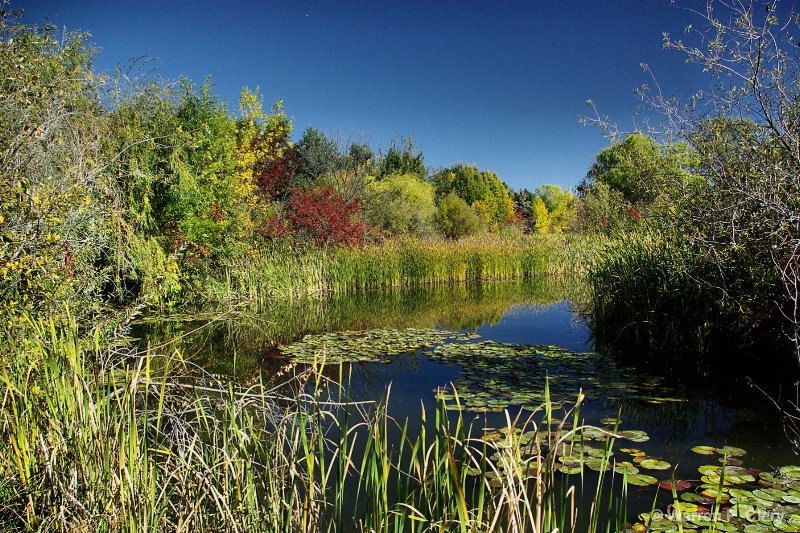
[
  {"x": 494, "y": 375},
  {"x": 729, "y": 497},
  {"x": 376, "y": 345},
  {"x": 553, "y": 445}
]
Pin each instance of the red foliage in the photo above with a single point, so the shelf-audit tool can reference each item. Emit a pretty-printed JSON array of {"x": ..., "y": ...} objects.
[
  {"x": 276, "y": 228},
  {"x": 322, "y": 216},
  {"x": 636, "y": 214},
  {"x": 518, "y": 220},
  {"x": 271, "y": 174}
]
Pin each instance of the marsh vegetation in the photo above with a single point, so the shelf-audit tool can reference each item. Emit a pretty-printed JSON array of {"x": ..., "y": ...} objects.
[{"x": 209, "y": 326}]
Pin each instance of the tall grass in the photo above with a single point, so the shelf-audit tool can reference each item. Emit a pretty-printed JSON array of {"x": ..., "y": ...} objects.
[
  {"x": 97, "y": 440},
  {"x": 401, "y": 262},
  {"x": 646, "y": 296}
]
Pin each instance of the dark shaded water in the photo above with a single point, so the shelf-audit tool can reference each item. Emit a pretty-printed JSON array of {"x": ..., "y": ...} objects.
[{"x": 711, "y": 412}]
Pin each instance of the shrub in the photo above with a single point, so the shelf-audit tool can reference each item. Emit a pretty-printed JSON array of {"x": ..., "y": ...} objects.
[{"x": 456, "y": 218}]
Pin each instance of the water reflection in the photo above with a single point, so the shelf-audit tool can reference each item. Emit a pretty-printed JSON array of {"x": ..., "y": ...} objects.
[{"x": 244, "y": 343}]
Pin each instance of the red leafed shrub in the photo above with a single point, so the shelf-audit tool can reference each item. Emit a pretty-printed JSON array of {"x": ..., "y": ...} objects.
[
  {"x": 272, "y": 174},
  {"x": 276, "y": 228},
  {"x": 321, "y": 215}
]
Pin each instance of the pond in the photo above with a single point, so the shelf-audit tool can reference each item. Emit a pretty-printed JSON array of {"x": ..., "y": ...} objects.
[{"x": 507, "y": 339}]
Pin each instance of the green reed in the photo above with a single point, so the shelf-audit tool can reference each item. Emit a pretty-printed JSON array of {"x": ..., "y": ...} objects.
[
  {"x": 646, "y": 295},
  {"x": 290, "y": 273},
  {"x": 98, "y": 439}
]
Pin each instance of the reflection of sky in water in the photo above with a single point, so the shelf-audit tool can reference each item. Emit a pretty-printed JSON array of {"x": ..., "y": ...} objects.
[
  {"x": 674, "y": 427},
  {"x": 554, "y": 324}
]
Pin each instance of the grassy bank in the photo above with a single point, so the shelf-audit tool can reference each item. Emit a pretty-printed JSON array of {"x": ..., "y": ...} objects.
[
  {"x": 656, "y": 299},
  {"x": 399, "y": 263},
  {"x": 98, "y": 440}
]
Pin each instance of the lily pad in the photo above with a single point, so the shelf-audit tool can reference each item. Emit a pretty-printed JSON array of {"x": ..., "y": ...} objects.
[
  {"x": 654, "y": 464},
  {"x": 731, "y": 450},
  {"x": 635, "y": 435},
  {"x": 678, "y": 485},
  {"x": 641, "y": 480},
  {"x": 791, "y": 472},
  {"x": 704, "y": 450},
  {"x": 625, "y": 468}
]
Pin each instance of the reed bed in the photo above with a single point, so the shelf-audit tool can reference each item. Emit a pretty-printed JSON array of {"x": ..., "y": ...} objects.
[
  {"x": 286, "y": 273},
  {"x": 646, "y": 295},
  {"x": 102, "y": 440}
]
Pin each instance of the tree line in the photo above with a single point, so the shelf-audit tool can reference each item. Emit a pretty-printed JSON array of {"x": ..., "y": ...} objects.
[{"x": 118, "y": 186}]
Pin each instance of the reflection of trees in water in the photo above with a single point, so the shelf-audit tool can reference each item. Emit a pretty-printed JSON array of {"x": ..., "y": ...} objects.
[
  {"x": 242, "y": 343},
  {"x": 745, "y": 421},
  {"x": 677, "y": 421}
]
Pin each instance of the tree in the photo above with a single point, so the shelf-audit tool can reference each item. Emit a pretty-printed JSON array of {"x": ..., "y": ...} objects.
[
  {"x": 482, "y": 190},
  {"x": 400, "y": 204},
  {"x": 632, "y": 179},
  {"x": 320, "y": 155},
  {"x": 456, "y": 218},
  {"x": 540, "y": 216},
  {"x": 742, "y": 215},
  {"x": 641, "y": 170},
  {"x": 61, "y": 210},
  {"x": 560, "y": 207},
  {"x": 401, "y": 159},
  {"x": 276, "y": 160}
]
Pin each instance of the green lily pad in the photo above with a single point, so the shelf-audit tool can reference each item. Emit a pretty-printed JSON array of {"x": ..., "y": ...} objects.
[
  {"x": 791, "y": 472},
  {"x": 654, "y": 464},
  {"x": 599, "y": 453},
  {"x": 597, "y": 464},
  {"x": 641, "y": 480},
  {"x": 704, "y": 450},
  {"x": 770, "y": 494},
  {"x": 625, "y": 468},
  {"x": 692, "y": 497},
  {"x": 564, "y": 469},
  {"x": 731, "y": 450},
  {"x": 635, "y": 435}
]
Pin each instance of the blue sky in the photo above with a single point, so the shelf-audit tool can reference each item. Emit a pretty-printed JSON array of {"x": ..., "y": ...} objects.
[{"x": 498, "y": 84}]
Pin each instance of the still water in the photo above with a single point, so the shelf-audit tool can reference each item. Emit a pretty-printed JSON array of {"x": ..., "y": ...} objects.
[{"x": 697, "y": 411}]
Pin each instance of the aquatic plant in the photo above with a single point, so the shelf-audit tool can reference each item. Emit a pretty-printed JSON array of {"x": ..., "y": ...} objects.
[
  {"x": 107, "y": 440},
  {"x": 494, "y": 375},
  {"x": 279, "y": 272}
]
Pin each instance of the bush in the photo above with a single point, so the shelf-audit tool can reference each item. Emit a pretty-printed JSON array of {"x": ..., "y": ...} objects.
[{"x": 456, "y": 218}]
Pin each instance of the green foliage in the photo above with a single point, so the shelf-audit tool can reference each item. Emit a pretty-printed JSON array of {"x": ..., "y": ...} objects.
[
  {"x": 647, "y": 299},
  {"x": 482, "y": 190},
  {"x": 636, "y": 177},
  {"x": 400, "y": 204},
  {"x": 401, "y": 159},
  {"x": 320, "y": 154},
  {"x": 603, "y": 208},
  {"x": 60, "y": 212},
  {"x": 560, "y": 206},
  {"x": 456, "y": 218}
]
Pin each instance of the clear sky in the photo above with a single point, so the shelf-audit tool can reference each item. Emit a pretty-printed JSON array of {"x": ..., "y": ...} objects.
[{"x": 498, "y": 84}]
